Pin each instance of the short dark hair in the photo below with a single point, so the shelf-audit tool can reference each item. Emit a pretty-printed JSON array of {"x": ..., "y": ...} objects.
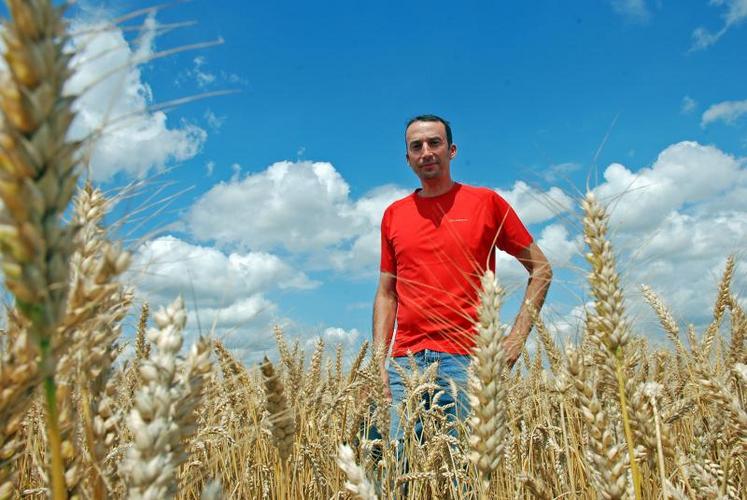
[{"x": 431, "y": 118}]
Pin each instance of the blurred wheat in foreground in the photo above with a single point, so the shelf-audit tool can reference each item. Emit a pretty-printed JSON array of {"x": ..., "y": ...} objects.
[{"x": 609, "y": 417}]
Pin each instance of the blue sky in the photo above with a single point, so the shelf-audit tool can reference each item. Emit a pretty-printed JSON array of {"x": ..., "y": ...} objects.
[{"x": 644, "y": 97}]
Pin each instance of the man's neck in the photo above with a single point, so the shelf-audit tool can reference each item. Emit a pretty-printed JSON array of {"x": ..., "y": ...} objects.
[{"x": 435, "y": 187}]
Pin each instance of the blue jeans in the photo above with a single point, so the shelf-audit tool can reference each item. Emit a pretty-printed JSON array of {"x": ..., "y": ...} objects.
[{"x": 450, "y": 367}]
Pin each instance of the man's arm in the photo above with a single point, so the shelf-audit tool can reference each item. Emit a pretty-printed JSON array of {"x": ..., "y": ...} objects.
[
  {"x": 540, "y": 276},
  {"x": 384, "y": 314}
]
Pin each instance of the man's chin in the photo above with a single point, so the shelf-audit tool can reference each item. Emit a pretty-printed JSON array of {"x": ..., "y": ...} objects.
[
  {"x": 431, "y": 173},
  {"x": 428, "y": 177}
]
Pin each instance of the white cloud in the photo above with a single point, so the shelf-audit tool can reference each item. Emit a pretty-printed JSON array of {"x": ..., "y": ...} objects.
[
  {"x": 688, "y": 105},
  {"x": 735, "y": 14},
  {"x": 556, "y": 243},
  {"x": 726, "y": 111},
  {"x": 568, "y": 327},
  {"x": 535, "y": 206},
  {"x": 676, "y": 223},
  {"x": 683, "y": 173},
  {"x": 168, "y": 266},
  {"x": 304, "y": 208},
  {"x": 135, "y": 139},
  {"x": 297, "y": 206},
  {"x": 672, "y": 227},
  {"x": 225, "y": 293},
  {"x": 557, "y": 246},
  {"x": 334, "y": 336},
  {"x": 363, "y": 254},
  {"x": 633, "y": 10},
  {"x": 684, "y": 258},
  {"x": 253, "y": 311}
]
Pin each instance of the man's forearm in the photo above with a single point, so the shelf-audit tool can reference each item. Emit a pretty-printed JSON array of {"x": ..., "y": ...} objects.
[
  {"x": 384, "y": 314},
  {"x": 534, "y": 297}
]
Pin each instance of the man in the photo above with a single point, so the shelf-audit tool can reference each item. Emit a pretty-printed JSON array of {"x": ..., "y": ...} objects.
[{"x": 435, "y": 245}]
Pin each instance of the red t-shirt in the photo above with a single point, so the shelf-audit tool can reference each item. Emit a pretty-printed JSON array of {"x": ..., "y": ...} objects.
[{"x": 438, "y": 248}]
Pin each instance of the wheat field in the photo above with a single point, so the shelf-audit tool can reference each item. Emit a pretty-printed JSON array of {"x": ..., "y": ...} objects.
[{"x": 607, "y": 417}]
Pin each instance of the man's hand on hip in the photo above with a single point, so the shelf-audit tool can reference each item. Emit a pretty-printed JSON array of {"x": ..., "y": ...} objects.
[
  {"x": 385, "y": 381},
  {"x": 512, "y": 351}
]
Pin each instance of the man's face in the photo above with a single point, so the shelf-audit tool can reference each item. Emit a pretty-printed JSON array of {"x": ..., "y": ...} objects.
[{"x": 428, "y": 153}]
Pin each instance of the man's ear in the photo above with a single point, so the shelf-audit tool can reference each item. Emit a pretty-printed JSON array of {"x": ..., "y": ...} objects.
[
  {"x": 452, "y": 151},
  {"x": 407, "y": 158}
]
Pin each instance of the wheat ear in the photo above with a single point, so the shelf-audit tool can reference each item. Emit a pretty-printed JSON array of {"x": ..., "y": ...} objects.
[
  {"x": 160, "y": 409},
  {"x": 97, "y": 304},
  {"x": 281, "y": 414},
  {"x": 37, "y": 179},
  {"x": 487, "y": 389},
  {"x": 666, "y": 319},
  {"x": 19, "y": 375},
  {"x": 605, "y": 456},
  {"x": 609, "y": 320},
  {"x": 357, "y": 482}
]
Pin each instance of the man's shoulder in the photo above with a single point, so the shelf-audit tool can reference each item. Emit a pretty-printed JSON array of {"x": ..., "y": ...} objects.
[
  {"x": 405, "y": 200},
  {"x": 478, "y": 192}
]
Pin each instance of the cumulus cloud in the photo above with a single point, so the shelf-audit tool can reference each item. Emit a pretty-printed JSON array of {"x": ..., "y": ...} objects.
[
  {"x": 297, "y": 206},
  {"x": 114, "y": 101},
  {"x": 672, "y": 226},
  {"x": 302, "y": 208},
  {"x": 675, "y": 223},
  {"x": 727, "y": 112},
  {"x": 363, "y": 253},
  {"x": 556, "y": 242},
  {"x": 683, "y": 173},
  {"x": 226, "y": 293},
  {"x": 558, "y": 245},
  {"x": 633, "y": 10},
  {"x": 734, "y": 14},
  {"x": 168, "y": 266},
  {"x": 535, "y": 206},
  {"x": 334, "y": 336}
]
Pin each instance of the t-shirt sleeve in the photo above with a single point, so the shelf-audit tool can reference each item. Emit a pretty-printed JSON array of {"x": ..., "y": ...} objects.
[
  {"x": 388, "y": 260},
  {"x": 513, "y": 236}
]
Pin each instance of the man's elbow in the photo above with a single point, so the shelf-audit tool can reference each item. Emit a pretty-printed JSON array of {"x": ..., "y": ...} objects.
[
  {"x": 385, "y": 295},
  {"x": 542, "y": 272}
]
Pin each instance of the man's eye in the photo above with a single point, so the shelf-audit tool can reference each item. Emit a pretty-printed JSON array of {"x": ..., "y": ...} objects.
[
  {"x": 415, "y": 147},
  {"x": 435, "y": 142}
]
